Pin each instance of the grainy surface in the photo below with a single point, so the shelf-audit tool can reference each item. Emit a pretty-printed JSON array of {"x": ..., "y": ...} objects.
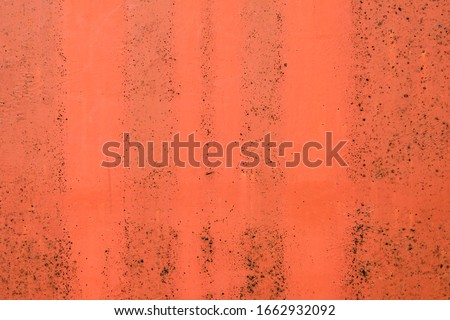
[{"x": 75, "y": 74}]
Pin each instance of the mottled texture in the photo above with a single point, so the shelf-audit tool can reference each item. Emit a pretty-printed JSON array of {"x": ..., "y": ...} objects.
[{"x": 75, "y": 74}]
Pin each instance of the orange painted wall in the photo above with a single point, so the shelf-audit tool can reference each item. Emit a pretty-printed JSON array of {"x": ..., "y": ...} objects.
[{"x": 75, "y": 74}]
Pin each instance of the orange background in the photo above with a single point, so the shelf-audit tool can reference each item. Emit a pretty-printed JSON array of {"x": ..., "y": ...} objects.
[{"x": 75, "y": 74}]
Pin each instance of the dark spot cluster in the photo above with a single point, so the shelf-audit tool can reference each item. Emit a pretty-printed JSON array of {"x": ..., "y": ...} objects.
[
  {"x": 263, "y": 68},
  {"x": 207, "y": 49},
  {"x": 360, "y": 260},
  {"x": 262, "y": 256},
  {"x": 398, "y": 149},
  {"x": 150, "y": 259},
  {"x": 207, "y": 256},
  {"x": 400, "y": 118},
  {"x": 397, "y": 258},
  {"x": 35, "y": 248},
  {"x": 150, "y": 92},
  {"x": 34, "y": 265},
  {"x": 149, "y": 86}
]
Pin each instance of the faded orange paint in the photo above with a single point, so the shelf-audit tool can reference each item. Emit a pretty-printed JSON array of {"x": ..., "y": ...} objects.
[{"x": 76, "y": 74}]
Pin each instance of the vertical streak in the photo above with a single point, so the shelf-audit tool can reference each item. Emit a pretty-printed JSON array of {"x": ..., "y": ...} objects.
[
  {"x": 93, "y": 202},
  {"x": 262, "y": 240},
  {"x": 317, "y": 53},
  {"x": 208, "y": 132},
  {"x": 151, "y": 235},
  {"x": 36, "y": 258},
  {"x": 399, "y": 152}
]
